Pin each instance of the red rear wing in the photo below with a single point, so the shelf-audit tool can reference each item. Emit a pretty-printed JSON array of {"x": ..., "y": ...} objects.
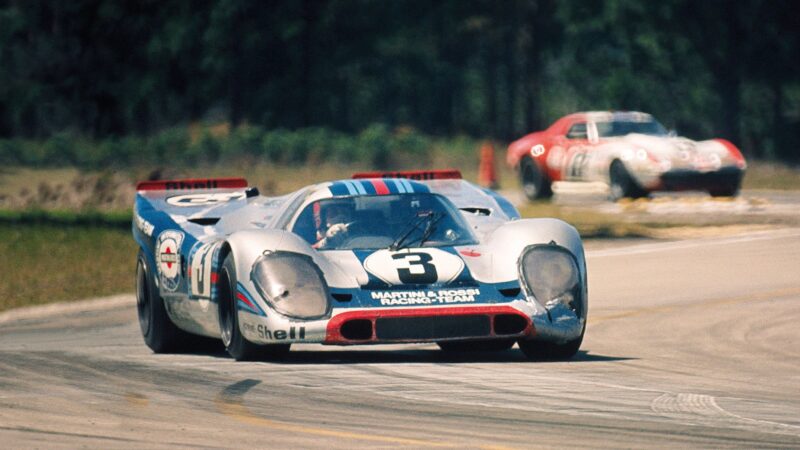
[
  {"x": 443, "y": 174},
  {"x": 192, "y": 183}
]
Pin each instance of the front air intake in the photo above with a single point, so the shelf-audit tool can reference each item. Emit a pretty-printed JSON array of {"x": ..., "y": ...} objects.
[
  {"x": 424, "y": 328},
  {"x": 357, "y": 330},
  {"x": 509, "y": 324}
]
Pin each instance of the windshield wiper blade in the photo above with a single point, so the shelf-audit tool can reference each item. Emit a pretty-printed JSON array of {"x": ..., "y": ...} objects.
[
  {"x": 414, "y": 225},
  {"x": 430, "y": 227}
]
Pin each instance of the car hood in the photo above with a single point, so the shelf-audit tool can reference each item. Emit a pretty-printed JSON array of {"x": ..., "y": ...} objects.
[
  {"x": 439, "y": 266},
  {"x": 681, "y": 152},
  {"x": 461, "y": 276}
]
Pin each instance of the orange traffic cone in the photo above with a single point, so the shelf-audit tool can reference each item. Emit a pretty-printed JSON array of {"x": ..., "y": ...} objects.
[{"x": 486, "y": 174}]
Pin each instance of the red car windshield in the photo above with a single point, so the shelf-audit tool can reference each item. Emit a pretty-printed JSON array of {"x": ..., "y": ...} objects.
[{"x": 623, "y": 127}]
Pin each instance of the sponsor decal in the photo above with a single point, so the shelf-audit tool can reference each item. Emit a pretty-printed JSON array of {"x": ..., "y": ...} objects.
[
  {"x": 426, "y": 297},
  {"x": 470, "y": 252},
  {"x": 193, "y": 183},
  {"x": 248, "y": 327},
  {"x": 578, "y": 162},
  {"x": 143, "y": 225},
  {"x": 201, "y": 272},
  {"x": 443, "y": 174},
  {"x": 197, "y": 184},
  {"x": 211, "y": 198},
  {"x": 168, "y": 259},
  {"x": 417, "y": 266},
  {"x": 537, "y": 150},
  {"x": 279, "y": 335},
  {"x": 246, "y": 302}
]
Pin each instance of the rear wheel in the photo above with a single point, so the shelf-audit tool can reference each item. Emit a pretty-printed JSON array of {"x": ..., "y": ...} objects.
[
  {"x": 235, "y": 343},
  {"x": 160, "y": 334},
  {"x": 494, "y": 345},
  {"x": 534, "y": 181},
  {"x": 621, "y": 184}
]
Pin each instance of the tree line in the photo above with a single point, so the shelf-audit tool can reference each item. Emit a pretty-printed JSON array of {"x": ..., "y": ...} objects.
[{"x": 103, "y": 69}]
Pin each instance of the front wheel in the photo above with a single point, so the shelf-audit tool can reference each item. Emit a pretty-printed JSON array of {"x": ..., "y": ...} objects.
[
  {"x": 235, "y": 343},
  {"x": 622, "y": 184},
  {"x": 548, "y": 351},
  {"x": 534, "y": 181}
]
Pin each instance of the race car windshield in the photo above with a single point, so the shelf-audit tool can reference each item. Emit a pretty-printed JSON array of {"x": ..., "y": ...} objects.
[
  {"x": 623, "y": 127},
  {"x": 382, "y": 221}
]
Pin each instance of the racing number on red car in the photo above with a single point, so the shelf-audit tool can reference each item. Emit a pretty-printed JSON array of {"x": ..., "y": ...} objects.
[
  {"x": 577, "y": 164},
  {"x": 420, "y": 270}
]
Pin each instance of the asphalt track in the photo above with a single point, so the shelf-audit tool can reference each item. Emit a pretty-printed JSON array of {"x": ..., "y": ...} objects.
[{"x": 689, "y": 344}]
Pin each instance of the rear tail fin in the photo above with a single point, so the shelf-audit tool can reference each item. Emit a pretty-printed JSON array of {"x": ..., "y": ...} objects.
[
  {"x": 441, "y": 174},
  {"x": 192, "y": 184}
]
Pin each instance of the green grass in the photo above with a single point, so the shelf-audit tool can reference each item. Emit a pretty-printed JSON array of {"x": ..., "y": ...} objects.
[
  {"x": 105, "y": 219},
  {"x": 49, "y": 263}
]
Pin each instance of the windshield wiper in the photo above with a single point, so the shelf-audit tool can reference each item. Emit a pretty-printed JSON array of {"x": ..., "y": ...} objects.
[
  {"x": 429, "y": 228},
  {"x": 429, "y": 216}
]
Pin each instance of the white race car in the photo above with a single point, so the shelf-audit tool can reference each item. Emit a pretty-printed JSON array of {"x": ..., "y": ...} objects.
[
  {"x": 380, "y": 258},
  {"x": 629, "y": 151}
]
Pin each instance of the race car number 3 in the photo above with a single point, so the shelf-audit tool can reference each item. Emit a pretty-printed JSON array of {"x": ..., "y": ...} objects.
[
  {"x": 418, "y": 266},
  {"x": 419, "y": 271}
]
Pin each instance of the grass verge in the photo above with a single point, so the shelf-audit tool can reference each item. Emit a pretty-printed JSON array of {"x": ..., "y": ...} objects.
[{"x": 49, "y": 263}]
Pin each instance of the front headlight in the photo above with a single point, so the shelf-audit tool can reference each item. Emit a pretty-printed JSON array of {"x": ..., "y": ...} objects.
[
  {"x": 292, "y": 284},
  {"x": 551, "y": 274}
]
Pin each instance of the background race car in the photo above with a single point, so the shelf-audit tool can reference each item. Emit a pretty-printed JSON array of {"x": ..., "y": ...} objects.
[
  {"x": 631, "y": 152},
  {"x": 376, "y": 259}
]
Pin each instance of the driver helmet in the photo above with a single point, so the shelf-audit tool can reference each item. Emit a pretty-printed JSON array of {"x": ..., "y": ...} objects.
[{"x": 337, "y": 211}]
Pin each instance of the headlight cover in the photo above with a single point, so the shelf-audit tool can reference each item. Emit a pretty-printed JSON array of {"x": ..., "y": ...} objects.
[
  {"x": 292, "y": 284},
  {"x": 551, "y": 274}
]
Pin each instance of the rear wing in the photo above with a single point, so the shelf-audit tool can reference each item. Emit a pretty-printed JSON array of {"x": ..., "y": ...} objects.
[
  {"x": 441, "y": 174},
  {"x": 188, "y": 184}
]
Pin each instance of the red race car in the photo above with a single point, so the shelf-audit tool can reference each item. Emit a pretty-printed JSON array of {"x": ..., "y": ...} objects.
[{"x": 631, "y": 152}]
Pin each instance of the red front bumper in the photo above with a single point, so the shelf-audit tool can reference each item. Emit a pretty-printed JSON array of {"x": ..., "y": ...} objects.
[{"x": 383, "y": 326}]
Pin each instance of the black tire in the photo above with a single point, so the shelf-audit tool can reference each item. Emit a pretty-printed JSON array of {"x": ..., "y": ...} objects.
[
  {"x": 494, "y": 345},
  {"x": 621, "y": 184},
  {"x": 548, "y": 351},
  {"x": 726, "y": 191},
  {"x": 235, "y": 343},
  {"x": 534, "y": 181},
  {"x": 160, "y": 334}
]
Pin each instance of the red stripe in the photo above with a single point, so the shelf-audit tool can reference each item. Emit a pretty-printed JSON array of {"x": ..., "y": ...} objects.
[
  {"x": 380, "y": 187},
  {"x": 246, "y": 301},
  {"x": 213, "y": 277}
]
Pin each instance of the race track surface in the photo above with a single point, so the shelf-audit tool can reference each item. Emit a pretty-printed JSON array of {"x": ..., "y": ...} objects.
[{"x": 690, "y": 343}]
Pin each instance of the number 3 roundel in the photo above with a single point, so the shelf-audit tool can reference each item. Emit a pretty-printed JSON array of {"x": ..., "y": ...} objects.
[{"x": 417, "y": 266}]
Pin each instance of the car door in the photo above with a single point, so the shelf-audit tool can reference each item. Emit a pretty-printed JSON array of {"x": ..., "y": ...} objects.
[{"x": 576, "y": 145}]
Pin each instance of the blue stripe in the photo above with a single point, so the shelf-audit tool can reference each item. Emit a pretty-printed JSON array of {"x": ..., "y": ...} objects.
[
  {"x": 408, "y": 187},
  {"x": 398, "y": 186},
  {"x": 369, "y": 187},
  {"x": 339, "y": 188},
  {"x": 359, "y": 187},
  {"x": 350, "y": 188},
  {"x": 241, "y": 289}
]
